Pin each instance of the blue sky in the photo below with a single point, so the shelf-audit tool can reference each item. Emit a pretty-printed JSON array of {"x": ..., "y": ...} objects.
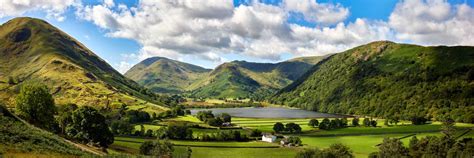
[{"x": 248, "y": 30}]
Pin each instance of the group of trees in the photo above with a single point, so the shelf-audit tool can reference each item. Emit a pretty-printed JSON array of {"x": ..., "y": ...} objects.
[
  {"x": 175, "y": 131},
  {"x": 334, "y": 150},
  {"x": 289, "y": 127},
  {"x": 429, "y": 146},
  {"x": 369, "y": 122},
  {"x": 174, "y": 112},
  {"x": 85, "y": 124},
  {"x": 210, "y": 119},
  {"x": 336, "y": 123},
  {"x": 225, "y": 135}
]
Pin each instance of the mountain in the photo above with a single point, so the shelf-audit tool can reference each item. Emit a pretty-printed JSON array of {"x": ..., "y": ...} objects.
[
  {"x": 163, "y": 75},
  {"x": 32, "y": 50},
  {"x": 249, "y": 79},
  {"x": 389, "y": 79}
]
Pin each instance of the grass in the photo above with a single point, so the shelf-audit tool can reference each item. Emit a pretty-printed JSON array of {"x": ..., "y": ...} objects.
[
  {"x": 19, "y": 140},
  {"x": 214, "y": 149},
  {"x": 362, "y": 146}
]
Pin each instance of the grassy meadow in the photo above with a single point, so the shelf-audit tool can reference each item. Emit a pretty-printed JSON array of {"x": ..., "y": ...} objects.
[{"x": 362, "y": 140}]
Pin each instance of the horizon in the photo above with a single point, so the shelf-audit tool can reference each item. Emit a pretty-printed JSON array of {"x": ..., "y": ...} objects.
[{"x": 254, "y": 31}]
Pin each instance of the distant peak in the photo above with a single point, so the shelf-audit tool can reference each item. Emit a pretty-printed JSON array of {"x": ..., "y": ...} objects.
[{"x": 151, "y": 60}]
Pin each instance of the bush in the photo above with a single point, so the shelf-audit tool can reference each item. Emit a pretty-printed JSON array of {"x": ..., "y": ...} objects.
[
  {"x": 36, "y": 105},
  {"x": 157, "y": 148}
]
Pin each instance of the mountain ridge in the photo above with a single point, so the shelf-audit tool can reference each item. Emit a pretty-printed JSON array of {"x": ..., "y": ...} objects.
[
  {"x": 387, "y": 79},
  {"x": 33, "y": 50}
]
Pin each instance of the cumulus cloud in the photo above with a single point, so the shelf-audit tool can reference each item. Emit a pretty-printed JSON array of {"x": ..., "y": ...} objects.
[
  {"x": 209, "y": 29},
  {"x": 433, "y": 22},
  {"x": 324, "y": 13},
  {"x": 52, "y": 8},
  {"x": 188, "y": 27}
]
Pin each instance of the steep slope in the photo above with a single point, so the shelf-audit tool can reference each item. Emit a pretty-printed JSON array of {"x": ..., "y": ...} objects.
[
  {"x": 251, "y": 80},
  {"x": 18, "y": 139},
  {"x": 33, "y": 50},
  {"x": 164, "y": 75},
  {"x": 389, "y": 79}
]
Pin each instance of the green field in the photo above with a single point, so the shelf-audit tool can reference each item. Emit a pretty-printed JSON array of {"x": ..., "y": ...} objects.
[
  {"x": 362, "y": 140},
  {"x": 215, "y": 149}
]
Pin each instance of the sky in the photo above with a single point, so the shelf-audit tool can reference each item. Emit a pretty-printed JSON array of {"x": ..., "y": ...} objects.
[{"x": 210, "y": 32}]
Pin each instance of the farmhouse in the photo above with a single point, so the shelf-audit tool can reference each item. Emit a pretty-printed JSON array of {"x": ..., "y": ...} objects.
[{"x": 269, "y": 138}]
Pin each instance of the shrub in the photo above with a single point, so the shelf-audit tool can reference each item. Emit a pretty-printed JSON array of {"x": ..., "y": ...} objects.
[{"x": 157, "y": 148}]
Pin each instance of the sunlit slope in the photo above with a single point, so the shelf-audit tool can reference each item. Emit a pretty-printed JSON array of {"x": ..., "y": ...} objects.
[{"x": 33, "y": 50}]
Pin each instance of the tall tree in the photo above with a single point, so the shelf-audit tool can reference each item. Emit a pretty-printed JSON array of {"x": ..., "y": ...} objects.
[
  {"x": 392, "y": 147},
  {"x": 88, "y": 126},
  {"x": 36, "y": 105},
  {"x": 278, "y": 127}
]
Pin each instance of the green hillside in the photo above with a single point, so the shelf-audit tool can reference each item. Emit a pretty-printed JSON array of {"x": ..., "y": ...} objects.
[
  {"x": 250, "y": 80},
  {"x": 164, "y": 75},
  {"x": 18, "y": 139},
  {"x": 33, "y": 50},
  {"x": 389, "y": 79}
]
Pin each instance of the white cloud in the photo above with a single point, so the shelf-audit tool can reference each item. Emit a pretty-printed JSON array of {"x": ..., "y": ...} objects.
[
  {"x": 324, "y": 13},
  {"x": 433, "y": 22},
  {"x": 123, "y": 67},
  {"x": 188, "y": 27},
  {"x": 52, "y": 8}
]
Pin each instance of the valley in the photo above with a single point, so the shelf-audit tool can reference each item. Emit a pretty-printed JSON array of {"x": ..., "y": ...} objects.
[{"x": 380, "y": 99}]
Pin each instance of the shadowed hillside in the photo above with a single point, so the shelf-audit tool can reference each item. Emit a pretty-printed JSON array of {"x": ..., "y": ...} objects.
[
  {"x": 164, "y": 75},
  {"x": 251, "y": 80},
  {"x": 389, "y": 79}
]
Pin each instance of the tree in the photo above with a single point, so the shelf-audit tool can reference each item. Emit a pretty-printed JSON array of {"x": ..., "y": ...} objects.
[
  {"x": 355, "y": 121},
  {"x": 313, "y": 123},
  {"x": 448, "y": 129},
  {"x": 417, "y": 120},
  {"x": 88, "y": 126},
  {"x": 366, "y": 122},
  {"x": 293, "y": 127},
  {"x": 256, "y": 133},
  {"x": 156, "y": 148},
  {"x": 373, "y": 123},
  {"x": 295, "y": 140},
  {"x": 187, "y": 112},
  {"x": 278, "y": 127},
  {"x": 64, "y": 117},
  {"x": 226, "y": 117},
  {"x": 120, "y": 127},
  {"x": 179, "y": 131},
  {"x": 392, "y": 147},
  {"x": 339, "y": 150},
  {"x": 36, "y": 105},
  {"x": 334, "y": 151},
  {"x": 325, "y": 124}
]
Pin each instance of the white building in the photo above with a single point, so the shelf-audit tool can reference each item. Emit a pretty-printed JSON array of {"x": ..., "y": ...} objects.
[{"x": 269, "y": 138}]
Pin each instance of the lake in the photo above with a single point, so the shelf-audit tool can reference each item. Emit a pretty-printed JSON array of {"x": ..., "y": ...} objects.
[{"x": 269, "y": 112}]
